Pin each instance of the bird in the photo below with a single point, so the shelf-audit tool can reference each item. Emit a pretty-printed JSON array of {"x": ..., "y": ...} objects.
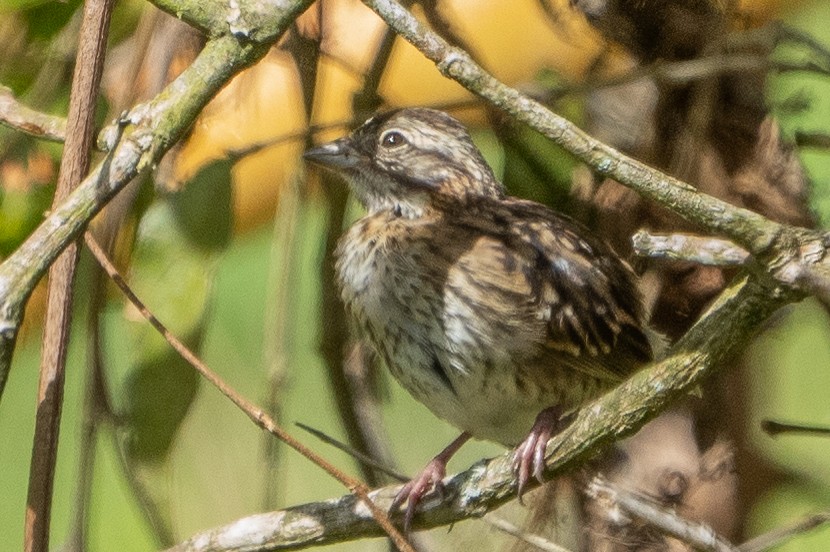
[{"x": 498, "y": 314}]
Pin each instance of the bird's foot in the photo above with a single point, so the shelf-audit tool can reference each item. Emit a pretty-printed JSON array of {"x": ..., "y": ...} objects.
[
  {"x": 430, "y": 479},
  {"x": 529, "y": 457}
]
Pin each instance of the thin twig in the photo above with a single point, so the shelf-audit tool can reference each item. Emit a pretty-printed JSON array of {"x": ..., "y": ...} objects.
[
  {"x": 774, "y": 428},
  {"x": 800, "y": 37},
  {"x": 74, "y": 165},
  {"x": 534, "y": 540},
  {"x": 775, "y": 537},
  {"x": 678, "y": 72},
  {"x": 280, "y": 312},
  {"x": 669, "y": 72},
  {"x": 703, "y": 250},
  {"x": 280, "y": 309},
  {"x": 354, "y": 453},
  {"x": 361, "y": 377},
  {"x": 152, "y": 510},
  {"x": 818, "y": 140},
  {"x": 644, "y": 508},
  {"x": 256, "y": 415},
  {"x": 15, "y": 115},
  {"x": 356, "y": 407},
  {"x": 95, "y": 409}
]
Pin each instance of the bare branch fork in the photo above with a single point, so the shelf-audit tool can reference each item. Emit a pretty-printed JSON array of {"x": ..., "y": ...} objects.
[{"x": 15, "y": 115}]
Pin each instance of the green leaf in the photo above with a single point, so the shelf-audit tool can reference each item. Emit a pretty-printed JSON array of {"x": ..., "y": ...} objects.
[
  {"x": 44, "y": 19},
  {"x": 537, "y": 169},
  {"x": 174, "y": 262},
  {"x": 203, "y": 208}
]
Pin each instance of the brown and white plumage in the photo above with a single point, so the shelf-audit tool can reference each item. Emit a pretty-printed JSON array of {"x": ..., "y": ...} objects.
[
  {"x": 487, "y": 319},
  {"x": 488, "y": 309}
]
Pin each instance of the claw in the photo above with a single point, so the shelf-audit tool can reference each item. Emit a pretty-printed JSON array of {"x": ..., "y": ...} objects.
[
  {"x": 430, "y": 479},
  {"x": 529, "y": 457}
]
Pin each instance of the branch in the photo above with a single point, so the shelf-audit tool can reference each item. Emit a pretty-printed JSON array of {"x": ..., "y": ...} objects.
[
  {"x": 136, "y": 143},
  {"x": 685, "y": 247},
  {"x": 770, "y": 540},
  {"x": 644, "y": 508},
  {"x": 699, "y": 535},
  {"x": 255, "y": 21},
  {"x": 795, "y": 256},
  {"x": 774, "y": 428},
  {"x": 83, "y": 97},
  {"x": 17, "y": 116},
  {"x": 729, "y": 324},
  {"x": 246, "y": 20},
  {"x": 537, "y": 542},
  {"x": 360, "y": 457}
]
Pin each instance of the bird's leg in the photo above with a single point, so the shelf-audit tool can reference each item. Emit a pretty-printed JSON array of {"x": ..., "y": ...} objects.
[
  {"x": 529, "y": 457},
  {"x": 429, "y": 478}
]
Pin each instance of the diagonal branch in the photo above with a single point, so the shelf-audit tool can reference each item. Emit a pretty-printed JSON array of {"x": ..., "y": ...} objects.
[
  {"x": 490, "y": 483},
  {"x": 702, "y": 250}
]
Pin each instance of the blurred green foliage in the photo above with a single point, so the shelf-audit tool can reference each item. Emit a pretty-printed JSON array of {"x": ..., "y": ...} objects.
[
  {"x": 44, "y": 19},
  {"x": 786, "y": 377},
  {"x": 20, "y": 213},
  {"x": 801, "y": 101}
]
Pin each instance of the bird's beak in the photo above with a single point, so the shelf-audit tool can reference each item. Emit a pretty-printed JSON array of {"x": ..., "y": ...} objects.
[{"x": 339, "y": 154}]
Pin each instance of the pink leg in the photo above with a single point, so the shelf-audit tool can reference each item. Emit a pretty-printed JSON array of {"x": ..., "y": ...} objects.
[
  {"x": 529, "y": 457},
  {"x": 429, "y": 479}
]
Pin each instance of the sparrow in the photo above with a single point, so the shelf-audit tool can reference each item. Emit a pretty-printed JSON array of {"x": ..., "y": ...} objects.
[{"x": 498, "y": 314}]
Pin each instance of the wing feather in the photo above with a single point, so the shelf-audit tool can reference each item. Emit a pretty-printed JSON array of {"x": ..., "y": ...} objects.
[{"x": 544, "y": 274}]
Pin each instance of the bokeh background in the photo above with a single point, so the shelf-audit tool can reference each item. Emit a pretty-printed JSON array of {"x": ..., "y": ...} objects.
[{"x": 227, "y": 239}]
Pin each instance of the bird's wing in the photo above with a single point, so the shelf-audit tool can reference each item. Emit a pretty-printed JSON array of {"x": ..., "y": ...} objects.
[{"x": 530, "y": 263}]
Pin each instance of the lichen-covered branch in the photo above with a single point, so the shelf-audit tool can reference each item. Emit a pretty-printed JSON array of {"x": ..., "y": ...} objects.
[
  {"x": 135, "y": 144},
  {"x": 260, "y": 21},
  {"x": 490, "y": 483}
]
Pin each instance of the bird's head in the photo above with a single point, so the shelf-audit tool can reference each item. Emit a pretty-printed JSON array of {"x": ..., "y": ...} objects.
[{"x": 410, "y": 161}]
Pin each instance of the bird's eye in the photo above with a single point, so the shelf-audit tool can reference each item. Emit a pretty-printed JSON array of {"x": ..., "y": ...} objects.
[{"x": 391, "y": 139}]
